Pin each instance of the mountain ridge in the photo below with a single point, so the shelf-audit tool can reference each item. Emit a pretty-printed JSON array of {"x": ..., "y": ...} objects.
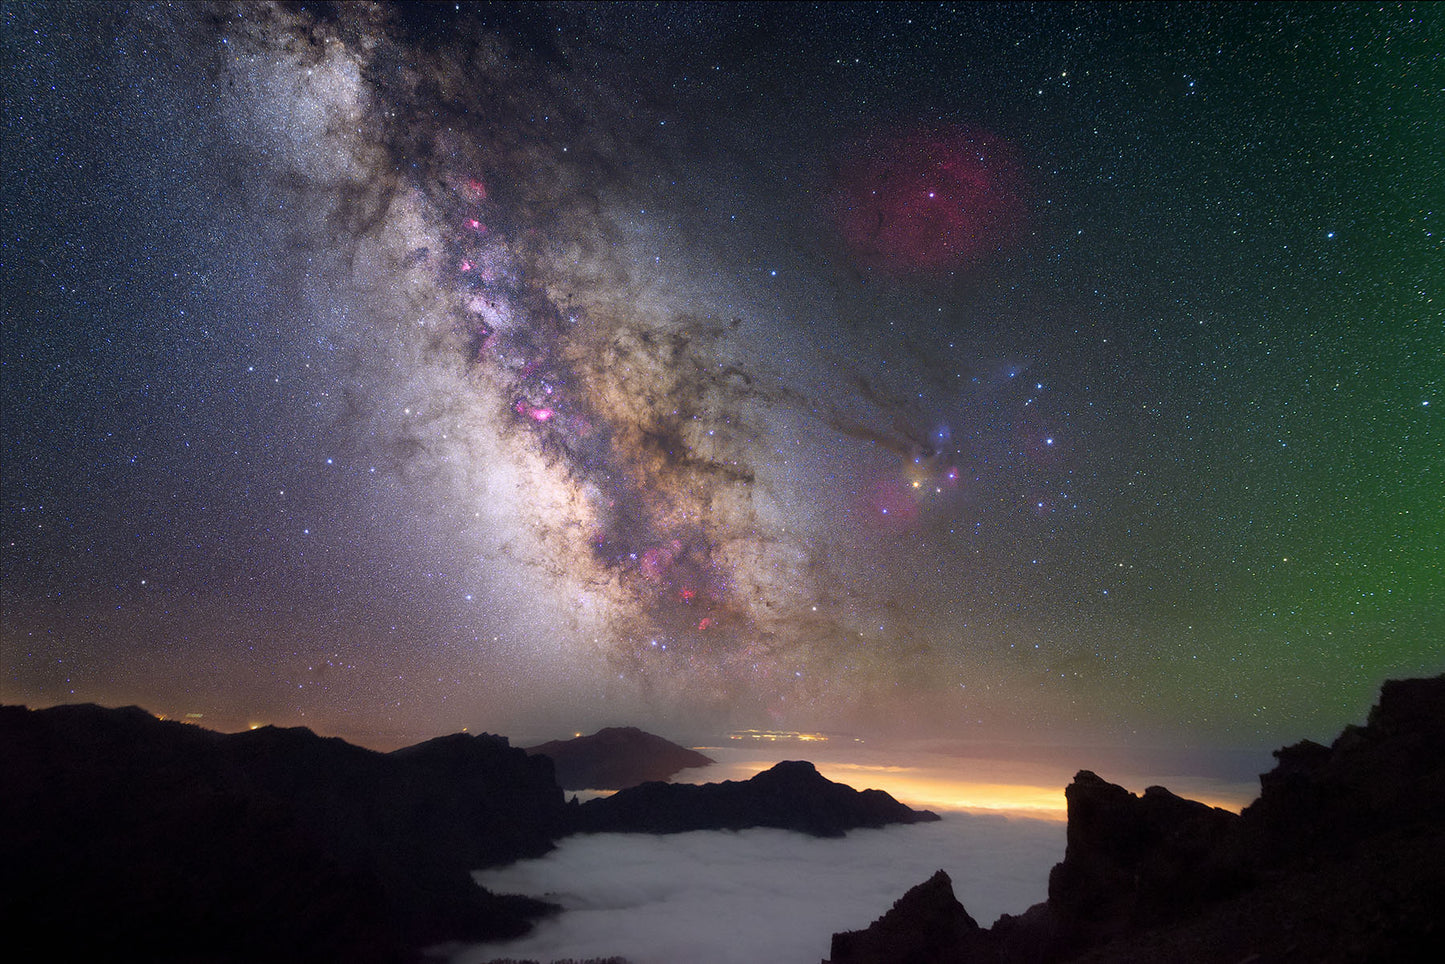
[
  {"x": 791, "y": 795},
  {"x": 617, "y": 757},
  {"x": 272, "y": 844}
]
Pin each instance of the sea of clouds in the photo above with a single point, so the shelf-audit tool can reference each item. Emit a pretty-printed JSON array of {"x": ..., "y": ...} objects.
[{"x": 762, "y": 896}]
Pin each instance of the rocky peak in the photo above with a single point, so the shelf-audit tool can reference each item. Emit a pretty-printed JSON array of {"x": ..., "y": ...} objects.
[{"x": 927, "y": 925}]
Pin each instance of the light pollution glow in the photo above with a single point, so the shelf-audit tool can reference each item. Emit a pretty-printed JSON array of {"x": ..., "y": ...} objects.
[{"x": 933, "y": 781}]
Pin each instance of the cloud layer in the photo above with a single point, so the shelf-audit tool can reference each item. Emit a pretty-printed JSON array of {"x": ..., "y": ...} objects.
[{"x": 718, "y": 897}]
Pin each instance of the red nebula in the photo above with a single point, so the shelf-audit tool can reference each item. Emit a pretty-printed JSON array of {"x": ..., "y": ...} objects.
[
  {"x": 930, "y": 200},
  {"x": 536, "y": 413}
]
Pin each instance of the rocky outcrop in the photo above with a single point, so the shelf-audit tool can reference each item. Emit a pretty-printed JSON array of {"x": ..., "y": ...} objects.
[
  {"x": 616, "y": 758},
  {"x": 927, "y": 925},
  {"x": 1341, "y": 859},
  {"x": 792, "y": 795},
  {"x": 1387, "y": 776},
  {"x": 1132, "y": 862},
  {"x": 127, "y": 836}
]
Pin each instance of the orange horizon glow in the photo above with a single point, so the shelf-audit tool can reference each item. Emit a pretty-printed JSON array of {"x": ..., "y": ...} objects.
[
  {"x": 935, "y": 792},
  {"x": 1016, "y": 789}
]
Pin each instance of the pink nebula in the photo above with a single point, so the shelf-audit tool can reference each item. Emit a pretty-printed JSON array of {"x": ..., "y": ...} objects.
[{"x": 929, "y": 201}]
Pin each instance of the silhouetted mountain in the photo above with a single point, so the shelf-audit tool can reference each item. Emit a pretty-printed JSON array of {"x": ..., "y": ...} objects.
[
  {"x": 1341, "y": 859},
  {"x": 129, "y": 837},
  {"x": 792, "y": 795},
  {"x": 616, "y": 758},
  {"x": 924, "y": 925}
]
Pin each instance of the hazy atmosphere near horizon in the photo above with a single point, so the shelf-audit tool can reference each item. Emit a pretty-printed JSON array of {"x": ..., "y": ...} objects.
[{"x": 966, "y": 375}]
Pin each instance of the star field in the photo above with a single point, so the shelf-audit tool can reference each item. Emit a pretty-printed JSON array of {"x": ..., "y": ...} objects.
[{"x": 992, "y": 371}]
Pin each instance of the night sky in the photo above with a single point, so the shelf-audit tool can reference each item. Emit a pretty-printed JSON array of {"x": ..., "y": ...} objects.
[{"x": 1034, "y": 373}]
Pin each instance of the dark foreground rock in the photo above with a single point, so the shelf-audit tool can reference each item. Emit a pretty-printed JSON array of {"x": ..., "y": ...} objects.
[
  {"x": 925, "y": 925},
  {"x": 1341, "y": 859},
  {"x": 126, "y": 837},
  {"x": 616, "y": 758},
  {"x": 792, "y": 795}
]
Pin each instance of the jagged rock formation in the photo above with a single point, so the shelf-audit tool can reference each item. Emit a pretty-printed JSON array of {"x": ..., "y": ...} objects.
[
  {"x": 927, "y": 925},
  {"x": 616, "y": 758},
  {"x": 129, "y": 837},
  {"x": 1132, "y": 862},
  {"x": 792, "y": 795},
  {"x": 1341, "y": 859}
]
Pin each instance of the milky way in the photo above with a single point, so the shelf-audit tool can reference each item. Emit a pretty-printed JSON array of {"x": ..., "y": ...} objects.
[
  {"x": 629, "y": 427},
  {"x": 988, "y": 371}
]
